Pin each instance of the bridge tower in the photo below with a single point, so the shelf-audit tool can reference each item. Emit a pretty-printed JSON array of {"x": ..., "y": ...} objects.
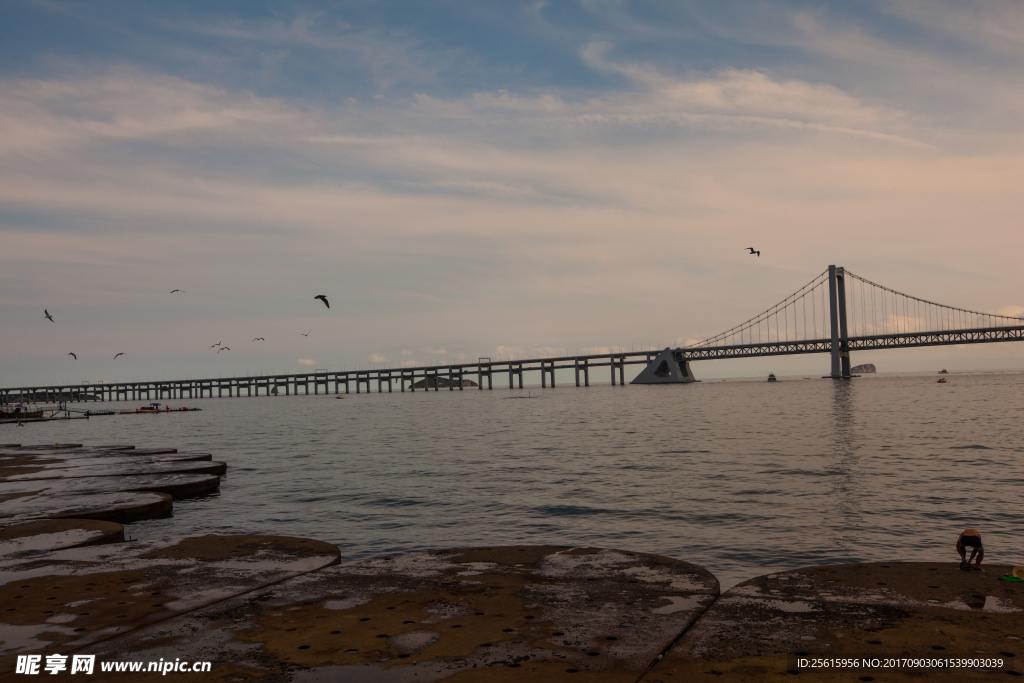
[{"x": 840, "y": 338}]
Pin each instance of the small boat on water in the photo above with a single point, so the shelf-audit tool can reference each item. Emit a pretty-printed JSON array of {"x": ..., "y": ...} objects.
[
  {"x": 772, "y": 377},
  {"x": 943, "y": 371},
  {"x": 155, "y": 408},
  {"x": 19, "y": 411},
  {"x": 942, "y": 380}
]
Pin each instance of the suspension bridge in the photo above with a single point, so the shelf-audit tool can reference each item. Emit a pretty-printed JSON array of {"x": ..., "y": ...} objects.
[{"x": 837, "y": 312}]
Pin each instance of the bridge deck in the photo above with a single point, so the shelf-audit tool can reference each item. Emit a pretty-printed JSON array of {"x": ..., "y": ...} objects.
[
  {"x": 452, "y": 376},
  {"x": 984, "y": 335}
]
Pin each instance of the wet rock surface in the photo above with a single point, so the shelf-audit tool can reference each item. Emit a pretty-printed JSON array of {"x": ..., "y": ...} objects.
[
  {"x": 755, "y": 630},
  {"x": 177, "y": 485},
  {"x": 117, "y": 484},
  {"x": 496, "y": 613},
  {"x": 42, "y": 536},
  {"x": 63, "y": 600}
]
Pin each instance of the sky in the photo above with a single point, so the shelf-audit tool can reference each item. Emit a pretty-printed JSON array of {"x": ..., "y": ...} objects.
[{"x": 466, "y": 179}]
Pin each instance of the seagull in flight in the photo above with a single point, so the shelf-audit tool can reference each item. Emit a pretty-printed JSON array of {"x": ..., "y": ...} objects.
[
  {"x": 262, "y": 339},
  {"x": 215, "y": 345},
  {"x": 754, "y": 251},
  {"x": 224, "y": 348},
  {"x": 120, "y": 354},
  {"x": 48, "y": 316},
  {"x": 306, "y": 334},
  {"x": 177, "y": 290},
  {"x": 71, "y": 354},
  {"x": 323, "y": 297}
]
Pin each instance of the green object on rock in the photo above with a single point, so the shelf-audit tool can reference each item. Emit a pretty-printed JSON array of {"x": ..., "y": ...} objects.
[{"x": 1010, "y": 578}]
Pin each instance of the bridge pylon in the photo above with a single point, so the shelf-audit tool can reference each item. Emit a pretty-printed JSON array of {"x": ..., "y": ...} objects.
[{"x": 840, "y": 345}]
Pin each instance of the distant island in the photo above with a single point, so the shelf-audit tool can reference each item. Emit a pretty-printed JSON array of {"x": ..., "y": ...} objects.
[
  {"x": 863, "y": 369},
  {"x": 442, "y": 383}
]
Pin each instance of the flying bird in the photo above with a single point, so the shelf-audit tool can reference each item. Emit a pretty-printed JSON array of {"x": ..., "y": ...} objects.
[
  {"x": 224, "y": 348},
  {"x": 305, "y": 334},
  {"x": 213, "y": 346},
  {"x": 120, "y": 354},
  {"x": 177, "y": 290},
  {"x": 262, "y": 339},
  {"x": 48, "y": 316},
  {"x": 323, "y": 297},
  {"x": 754, "y": 251},
  {"x": 71, "y": 354}
]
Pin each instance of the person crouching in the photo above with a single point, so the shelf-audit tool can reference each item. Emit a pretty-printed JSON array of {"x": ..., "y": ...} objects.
[{"x": 970, "y": 538}]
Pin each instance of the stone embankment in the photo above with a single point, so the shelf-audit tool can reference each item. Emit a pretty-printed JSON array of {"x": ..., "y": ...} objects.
[{"x": 271, "y": 608}]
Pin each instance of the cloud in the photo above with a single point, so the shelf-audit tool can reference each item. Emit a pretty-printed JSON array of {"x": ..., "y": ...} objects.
[
  {"x": 1012, "y": 311},
  {"x": 376, "y": 358},
  {"x": 307, "y": 361},
  {"x": 989, "y": 24},
  {"x": 391, "y": 56},
  {"x": 122, "y": 105},
  {"x": 410, "y": 364},
  {"x": 547, "y": 216}
]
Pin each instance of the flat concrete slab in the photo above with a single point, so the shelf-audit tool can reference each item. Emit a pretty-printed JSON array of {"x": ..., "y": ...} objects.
[
  {"x": 83, "y": 456},
  {"x": 22, "y": 471},
  {"x": 66, "y": 599},
  {"x": 482, "y": 614},
  {"x": 884, "y": 610},
  {"x": 20, "y": 541},
  {"x": 177, "y": 485},
  {"x": 122, "y": 507}
]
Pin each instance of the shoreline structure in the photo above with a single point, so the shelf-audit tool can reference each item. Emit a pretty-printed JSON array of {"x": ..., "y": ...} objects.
[{"x": 274, "y": 608}]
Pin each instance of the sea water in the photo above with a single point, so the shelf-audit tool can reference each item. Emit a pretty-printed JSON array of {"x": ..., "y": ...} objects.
[{"x": 741, "y": 477}]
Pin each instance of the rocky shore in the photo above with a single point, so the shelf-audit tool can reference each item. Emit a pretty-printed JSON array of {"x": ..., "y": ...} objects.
[{"x": 272, "y": 608}]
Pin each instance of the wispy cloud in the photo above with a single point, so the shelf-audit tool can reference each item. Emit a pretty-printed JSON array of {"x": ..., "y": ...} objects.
[{"x": 542, "y": 211}]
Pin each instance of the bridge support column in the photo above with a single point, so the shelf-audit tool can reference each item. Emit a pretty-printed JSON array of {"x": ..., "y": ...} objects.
[
  {"x": 668, "y": 367},
  {"x": 844, "y": 343},
  {"x": 840, "y": 346},
  {"x": 585, "y": 368}
]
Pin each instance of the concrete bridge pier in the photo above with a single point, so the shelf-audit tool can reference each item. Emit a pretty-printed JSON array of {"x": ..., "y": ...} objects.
[
  {"x": 513, "y": 372},
  {"x": 545, "y": 370},
  {"x": 668, "y": 367},
  {"x": 621, "y": 366},
  {"x": 585, "y": 368}
]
